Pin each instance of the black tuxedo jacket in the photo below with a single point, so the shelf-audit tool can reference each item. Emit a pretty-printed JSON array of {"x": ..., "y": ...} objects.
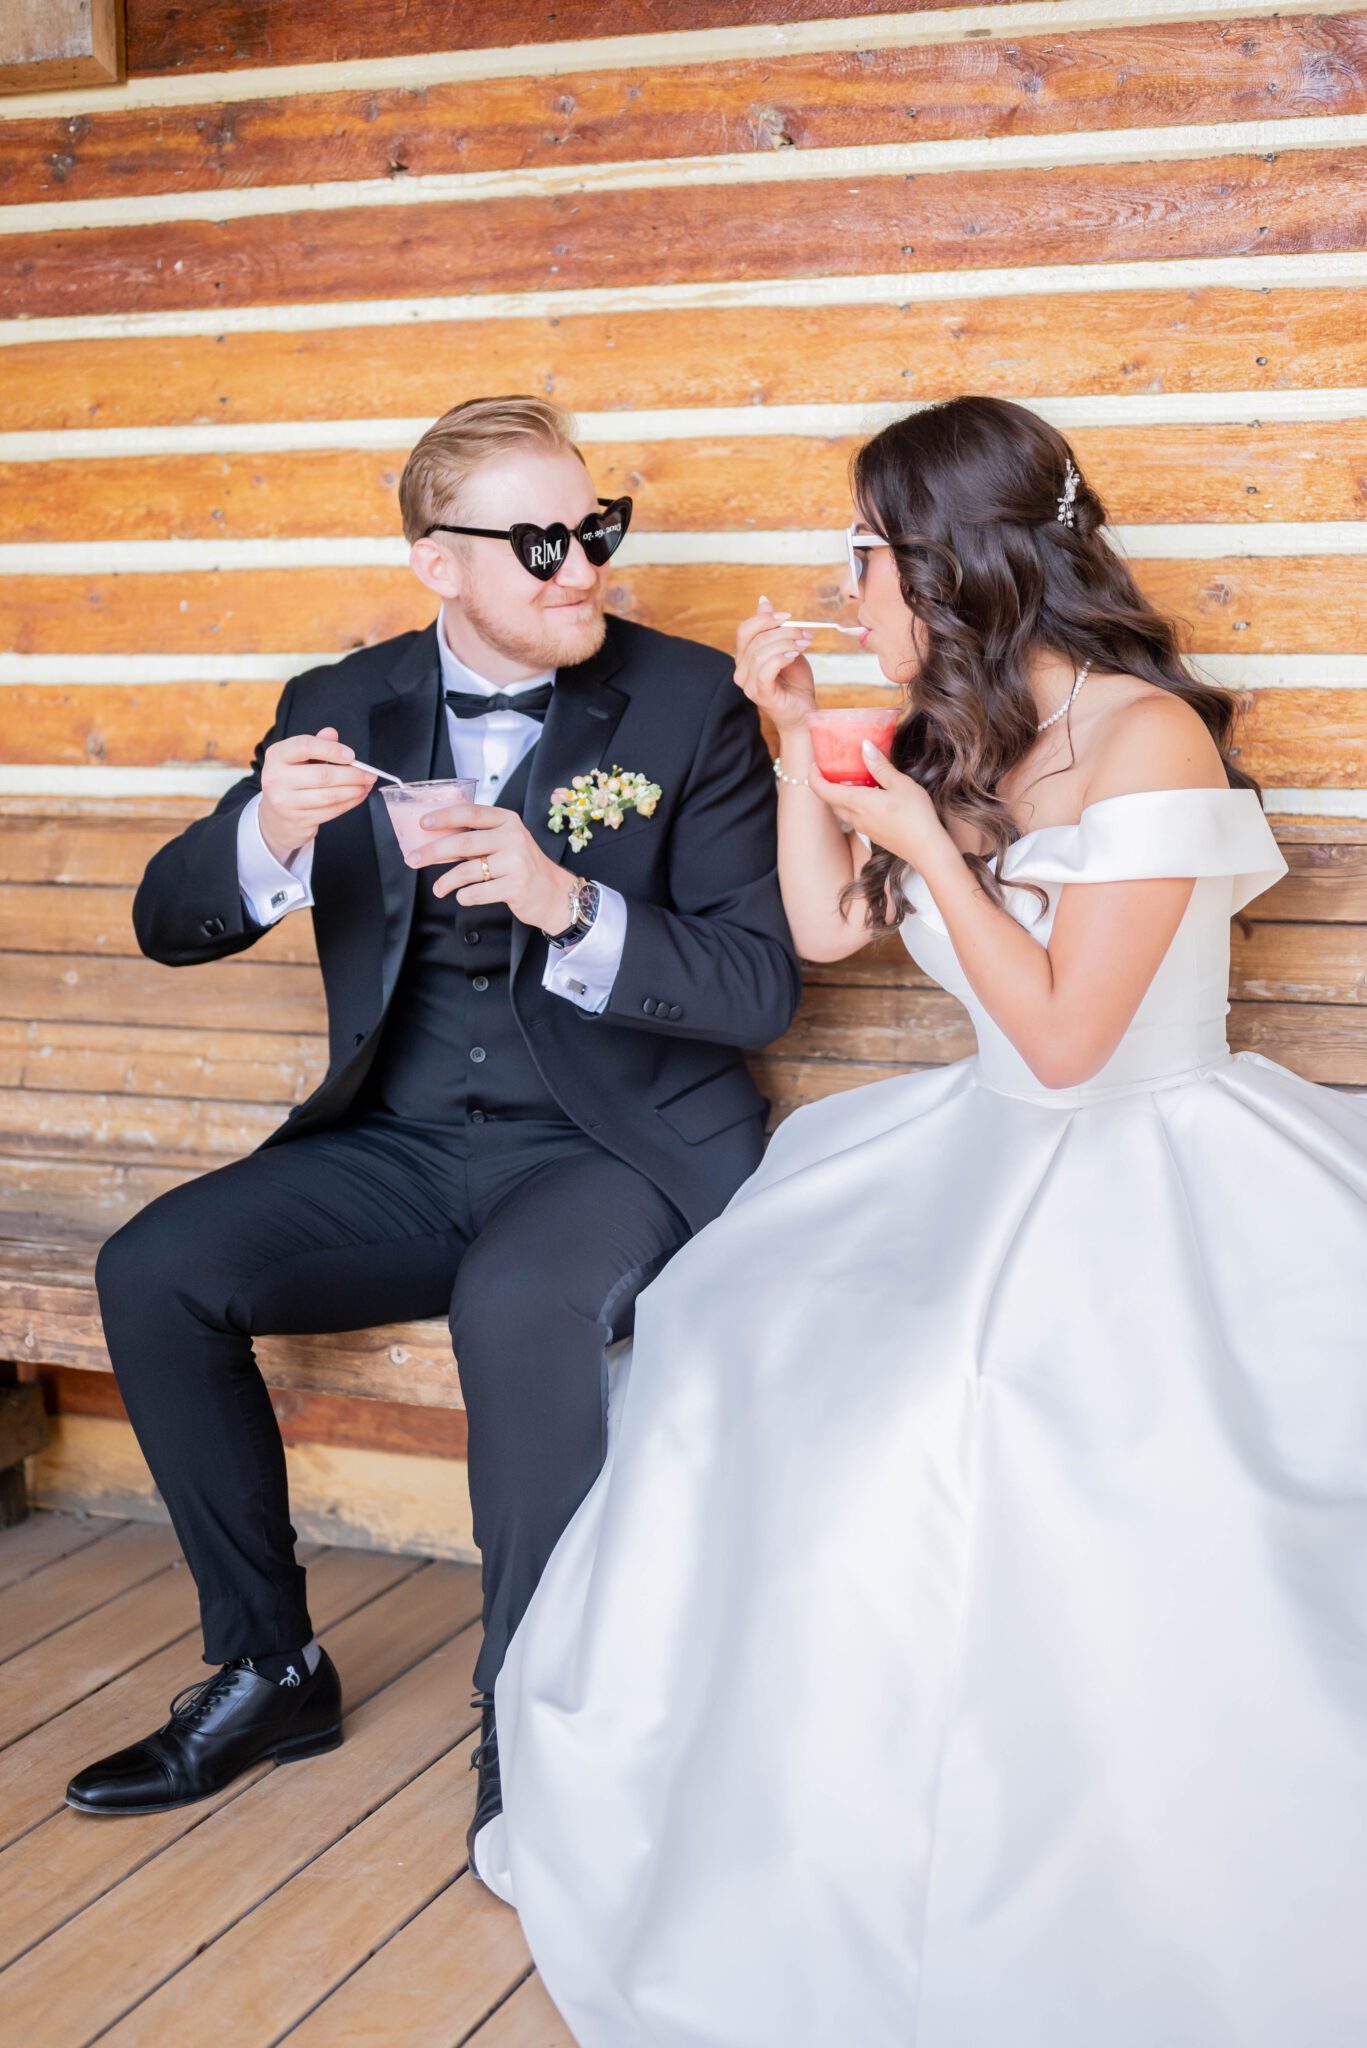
[{"x": 708, "y": 967}]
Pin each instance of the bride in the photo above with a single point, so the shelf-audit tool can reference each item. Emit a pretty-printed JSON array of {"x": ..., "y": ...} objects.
[{"x": 966, "y": 1641}]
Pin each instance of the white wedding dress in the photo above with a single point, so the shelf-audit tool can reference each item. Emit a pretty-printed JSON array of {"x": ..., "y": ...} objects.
[{"x": 965, "y": 1645}]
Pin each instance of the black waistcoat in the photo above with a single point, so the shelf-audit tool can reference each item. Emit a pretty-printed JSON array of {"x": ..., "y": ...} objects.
[{"x": 452, "y": 1050}]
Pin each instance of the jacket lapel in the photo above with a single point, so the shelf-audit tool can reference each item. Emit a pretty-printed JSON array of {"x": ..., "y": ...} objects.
[
  {"x": 581, "y": 719},
  {"x": 403, "y": 726}
]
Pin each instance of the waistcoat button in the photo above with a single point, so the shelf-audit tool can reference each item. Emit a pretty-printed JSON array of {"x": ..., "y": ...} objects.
[
  {"x": 481, "y": 982},
  {"x": 472, "y": 938},
  {"x": 477, "y": 1116},
  {"x": 477, "y": 1053}
]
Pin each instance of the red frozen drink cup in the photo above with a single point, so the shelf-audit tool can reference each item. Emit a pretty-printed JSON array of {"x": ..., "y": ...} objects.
[{"x": 837, "y": 737}]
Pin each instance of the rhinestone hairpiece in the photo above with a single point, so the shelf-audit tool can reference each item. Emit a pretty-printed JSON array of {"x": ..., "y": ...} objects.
[{"x": 1071, "y": 480}]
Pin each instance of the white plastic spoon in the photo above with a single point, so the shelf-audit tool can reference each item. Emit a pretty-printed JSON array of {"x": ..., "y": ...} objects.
[
  {"x": 823, "y": 626},
  {"x": 383, "y": 773}
]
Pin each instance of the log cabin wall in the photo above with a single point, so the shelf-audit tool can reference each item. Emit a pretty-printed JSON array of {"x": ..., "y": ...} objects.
[{"x": 732, "y": 237}]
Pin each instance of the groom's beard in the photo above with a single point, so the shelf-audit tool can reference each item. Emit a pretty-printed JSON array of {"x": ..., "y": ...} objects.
[{"x": 544, "y": 638}]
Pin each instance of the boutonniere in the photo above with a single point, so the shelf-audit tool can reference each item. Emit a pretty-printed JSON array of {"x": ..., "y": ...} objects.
[{"x": 600, "y": 799}]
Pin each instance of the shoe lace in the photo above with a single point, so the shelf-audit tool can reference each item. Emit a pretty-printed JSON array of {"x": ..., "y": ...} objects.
[{"x": 195, "y": 1700}]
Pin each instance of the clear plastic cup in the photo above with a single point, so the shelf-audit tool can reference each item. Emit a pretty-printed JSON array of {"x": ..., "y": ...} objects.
[
  {"x": 408, "y": 803},
  {"x": 837, "y": 737}
]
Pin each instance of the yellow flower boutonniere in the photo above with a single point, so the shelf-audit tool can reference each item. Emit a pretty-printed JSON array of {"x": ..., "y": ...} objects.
[{"x": 603, "y": 799}]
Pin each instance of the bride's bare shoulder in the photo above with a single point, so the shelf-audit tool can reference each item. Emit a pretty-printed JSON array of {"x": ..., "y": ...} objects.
[{"x": 1151, "y": 739}]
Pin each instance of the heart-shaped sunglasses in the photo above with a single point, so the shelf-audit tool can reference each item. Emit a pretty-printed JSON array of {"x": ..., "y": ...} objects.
[{"x": 542, "y": 550}]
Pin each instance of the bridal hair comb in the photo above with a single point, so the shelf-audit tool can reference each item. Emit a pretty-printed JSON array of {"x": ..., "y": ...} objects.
[{"x": 1071, "y": 480}]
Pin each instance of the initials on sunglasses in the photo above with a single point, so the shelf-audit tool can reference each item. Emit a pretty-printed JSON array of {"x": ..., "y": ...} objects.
[{"x": 542, "y": 549}]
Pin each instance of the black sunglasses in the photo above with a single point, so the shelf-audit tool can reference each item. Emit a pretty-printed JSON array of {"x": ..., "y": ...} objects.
[{"x": 542, "y": 549}]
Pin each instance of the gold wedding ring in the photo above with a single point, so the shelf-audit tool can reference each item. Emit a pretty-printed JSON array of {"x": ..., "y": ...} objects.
[{"x": 484, "y": 863}]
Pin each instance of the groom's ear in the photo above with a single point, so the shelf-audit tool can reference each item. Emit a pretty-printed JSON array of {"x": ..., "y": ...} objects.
[{"x": 438, "y": 567}]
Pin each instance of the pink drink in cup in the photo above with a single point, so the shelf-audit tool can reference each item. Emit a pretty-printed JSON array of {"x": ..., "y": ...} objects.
[
  {"x": 408, "y": 803},
  {"x": 837, "y": 737}
]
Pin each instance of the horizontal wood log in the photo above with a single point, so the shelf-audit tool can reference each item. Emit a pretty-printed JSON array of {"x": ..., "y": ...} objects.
[
  {"x": 108, "y": 841},
  {"x": 229, "y": 35},
  {"x": 885, "y": 1025},
  {"x": 1145, "y": 475},
  {"x": 1298, "y": 200},
  {"x": 1311, "y": 963},
  {"x": 791, "y": 1084},
  {"x": 1315, "y": 739},
  {"x": 895, "y": 1019},
  {"x": 88, "y": 839},
  {"x": 275, "y": 1068},
  {"x": 226, "y": 995},
  {"x": 304, "y": 1417},
  {"x": 1305, "y": 739},
  {"x": 1309, "y": 604},
  {"x": 1212, "y": 339},
  {"x": 41, "y": 918},
  {"x": 1153, "y": 75},
  {"x": 49, "y": 1315},
  {"x": 165, "y": 1061},
  {"x": 133, "y": 1128},
  {"x": 1325, "y": 1042},
  {"x": 893, "y": 1029},
  {"x": 1300, "y": 963},
  {"x": 1289, "y": 738},
  {"x": 82, "y": 1198},
  {"x": 1327, "y": 881},
  {"x": 126, "y": 725}
]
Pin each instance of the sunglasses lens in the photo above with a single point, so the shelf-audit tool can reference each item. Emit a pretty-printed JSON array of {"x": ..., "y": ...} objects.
[
  {"x": 540, "y": 549},
  {"x": 602, "y": 533}
]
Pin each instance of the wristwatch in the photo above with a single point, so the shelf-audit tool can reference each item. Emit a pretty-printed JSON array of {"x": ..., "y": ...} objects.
[{"x": 583, "y": 910}]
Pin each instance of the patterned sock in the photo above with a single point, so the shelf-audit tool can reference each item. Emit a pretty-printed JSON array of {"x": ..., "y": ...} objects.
[{"x": 289, "y": 1667}]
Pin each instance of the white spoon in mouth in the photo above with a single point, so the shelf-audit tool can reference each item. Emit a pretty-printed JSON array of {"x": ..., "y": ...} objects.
[{"x": 824, "y": 626}]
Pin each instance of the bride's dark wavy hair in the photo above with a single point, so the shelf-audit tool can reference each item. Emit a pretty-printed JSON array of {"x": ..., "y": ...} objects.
[{"x": 967, "y": 492}]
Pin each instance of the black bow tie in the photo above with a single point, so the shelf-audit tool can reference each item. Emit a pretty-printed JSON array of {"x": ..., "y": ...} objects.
[{"x": 531, "y": 703}]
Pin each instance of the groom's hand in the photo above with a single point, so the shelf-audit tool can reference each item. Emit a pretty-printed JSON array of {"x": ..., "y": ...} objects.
[
  {"x": 520, "y": 874},
  {"x": 306, "y": 780}
]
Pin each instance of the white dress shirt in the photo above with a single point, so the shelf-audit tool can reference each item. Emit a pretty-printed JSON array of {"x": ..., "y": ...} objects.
[{"x": 488, "y": 749}]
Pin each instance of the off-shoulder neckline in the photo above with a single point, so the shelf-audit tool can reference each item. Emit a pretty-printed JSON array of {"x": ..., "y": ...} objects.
[{"x": 1128, "y": 796}]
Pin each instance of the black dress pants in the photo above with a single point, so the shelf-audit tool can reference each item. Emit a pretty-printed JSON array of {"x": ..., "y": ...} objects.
[{"x": 535, "y": 1242}]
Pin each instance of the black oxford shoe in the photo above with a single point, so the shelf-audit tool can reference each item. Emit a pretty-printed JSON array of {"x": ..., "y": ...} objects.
[
  {"x": 484, "y": 1759},
  {"x": 218, "y": 1729}
]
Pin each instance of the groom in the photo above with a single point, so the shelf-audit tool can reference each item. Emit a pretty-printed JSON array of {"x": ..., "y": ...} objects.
[{"x": 535, "y": 1090}]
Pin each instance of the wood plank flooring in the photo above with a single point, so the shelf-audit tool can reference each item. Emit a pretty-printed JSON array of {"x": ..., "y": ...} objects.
[{"x": 327, "y": 1906}]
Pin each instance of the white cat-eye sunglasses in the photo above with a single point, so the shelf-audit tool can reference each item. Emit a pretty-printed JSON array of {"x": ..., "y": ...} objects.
[{"x": 857, "y": 541}]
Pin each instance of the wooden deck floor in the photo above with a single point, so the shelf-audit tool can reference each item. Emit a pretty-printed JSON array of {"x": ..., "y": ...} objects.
[{"x": 321, "y": 1903}]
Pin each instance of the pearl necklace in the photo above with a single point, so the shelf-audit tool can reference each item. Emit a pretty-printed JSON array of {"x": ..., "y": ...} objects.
[{"x": 1067, "y": 705}]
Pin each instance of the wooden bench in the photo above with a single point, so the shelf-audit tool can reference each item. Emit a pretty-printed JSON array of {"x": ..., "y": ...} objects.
[{"x": 119, "y": 1078}]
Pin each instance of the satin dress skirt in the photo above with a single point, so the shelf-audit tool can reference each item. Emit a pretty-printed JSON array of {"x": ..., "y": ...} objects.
[{"x": 965, "y": 1644}]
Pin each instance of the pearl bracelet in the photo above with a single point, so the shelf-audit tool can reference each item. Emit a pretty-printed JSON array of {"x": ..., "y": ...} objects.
[{"x": 793, "y": 781}]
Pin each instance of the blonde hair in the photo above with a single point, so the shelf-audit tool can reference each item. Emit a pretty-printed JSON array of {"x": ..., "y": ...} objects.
[{"x": 456, "y": 444}]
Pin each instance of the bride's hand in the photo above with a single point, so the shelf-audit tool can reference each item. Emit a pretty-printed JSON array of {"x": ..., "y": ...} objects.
[
  {"x": 898, "y": 814},
  {"x": 772, "y": 668}
]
